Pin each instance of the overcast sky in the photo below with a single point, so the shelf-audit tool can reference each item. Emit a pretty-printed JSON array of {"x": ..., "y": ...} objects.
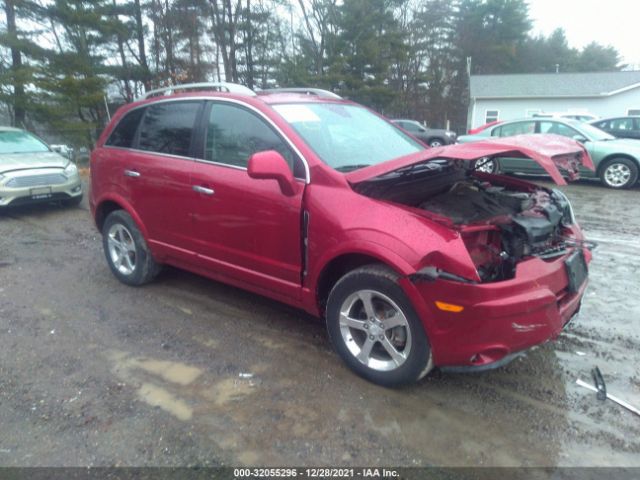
[{"x": 608, "y": 22}]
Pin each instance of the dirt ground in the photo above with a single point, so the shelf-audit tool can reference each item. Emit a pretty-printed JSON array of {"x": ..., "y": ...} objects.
[{"x": 187, "y": 371}]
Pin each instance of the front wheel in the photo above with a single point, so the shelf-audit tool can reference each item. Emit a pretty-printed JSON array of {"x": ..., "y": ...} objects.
[
  {"x": 487, "y": 165},
  {"x": 127, "y": 252},
  {"x": 619, "y": 173},
  {"x": 436, "y": 142},
  {"x": 374, "y": 328}
]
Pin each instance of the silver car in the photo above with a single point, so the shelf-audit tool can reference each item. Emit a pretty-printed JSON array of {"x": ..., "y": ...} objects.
[{"x": 30, "y": 172}]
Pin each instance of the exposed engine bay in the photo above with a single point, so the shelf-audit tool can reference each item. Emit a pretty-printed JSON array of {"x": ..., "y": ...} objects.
[{"x": 500, "y": 224}]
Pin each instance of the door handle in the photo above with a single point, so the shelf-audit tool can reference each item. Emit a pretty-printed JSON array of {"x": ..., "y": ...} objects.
[
  {"x": 131, "y": 173},
  {"x": 205, "y": 190}
]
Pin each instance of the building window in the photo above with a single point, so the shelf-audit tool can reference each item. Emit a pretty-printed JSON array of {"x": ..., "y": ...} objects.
[
  {"x": 491, "y": 116},
  {"x": 532, "y": 112},
  {"x": 633, "y": 111}
]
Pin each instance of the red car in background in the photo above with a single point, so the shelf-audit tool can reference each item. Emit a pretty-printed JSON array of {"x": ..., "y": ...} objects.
[
  {"x": 415, "y": 259},
  {"x": 473, "y": 131}
]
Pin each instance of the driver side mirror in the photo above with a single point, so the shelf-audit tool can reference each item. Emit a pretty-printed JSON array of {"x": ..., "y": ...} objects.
[
  {"x": 579, "y": 138},
  {"x": 270, "y": 165}
]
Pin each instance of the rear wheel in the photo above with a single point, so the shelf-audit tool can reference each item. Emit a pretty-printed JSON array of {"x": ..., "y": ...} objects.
[
  {"x": 127, "y": 252},
  {"x": 375, "y": 329},
  {"x": 619, "y": 173},
  {"x": 436, "y": 142}
]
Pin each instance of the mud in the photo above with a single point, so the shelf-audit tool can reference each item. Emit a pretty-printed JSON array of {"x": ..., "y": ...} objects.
[{"x": 187, "y": 371}]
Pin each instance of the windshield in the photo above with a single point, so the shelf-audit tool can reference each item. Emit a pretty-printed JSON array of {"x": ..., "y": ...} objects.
[
  {"x": 347, "y": 137},
  {"x": 591, "y": 132},
  {"x": 16, "y": 141}
]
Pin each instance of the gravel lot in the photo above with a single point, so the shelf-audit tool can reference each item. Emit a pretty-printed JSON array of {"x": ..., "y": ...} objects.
[{"x": 187, "y": 371}]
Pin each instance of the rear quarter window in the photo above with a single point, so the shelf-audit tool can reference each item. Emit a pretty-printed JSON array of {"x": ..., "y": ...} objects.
[
  {"x": 125, "y": 132},
  {"x": 168, "y": 127}
]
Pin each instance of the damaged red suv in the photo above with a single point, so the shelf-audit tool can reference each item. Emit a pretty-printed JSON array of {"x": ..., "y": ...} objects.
[{"x": 414, "y": 258}]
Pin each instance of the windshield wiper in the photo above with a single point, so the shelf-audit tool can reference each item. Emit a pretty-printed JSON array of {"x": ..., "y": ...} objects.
[{"x": 350, "y": 168}]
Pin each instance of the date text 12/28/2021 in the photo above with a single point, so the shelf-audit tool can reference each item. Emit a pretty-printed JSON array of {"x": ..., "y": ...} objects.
[{"x": 315, "y": 473}]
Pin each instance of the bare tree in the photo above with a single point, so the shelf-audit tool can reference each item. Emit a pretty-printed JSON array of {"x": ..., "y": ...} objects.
[
  {"x": 16, "y": 65},
  {"x": 225, "y": 18}
]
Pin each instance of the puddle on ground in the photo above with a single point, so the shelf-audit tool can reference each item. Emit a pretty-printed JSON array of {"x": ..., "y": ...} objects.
[
  {"x": 174, "y": 372},
  {"x": 230, "y": 390},
  {"x": 207, "y": 342},
  {"x": 159, "y": 397}
]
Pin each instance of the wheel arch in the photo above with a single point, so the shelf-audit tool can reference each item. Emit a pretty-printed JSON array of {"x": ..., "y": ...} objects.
[
  {"x": 611, "y": 156},
  {"x": 110, "y": 204},
  {"x": 338, "y": 266}
]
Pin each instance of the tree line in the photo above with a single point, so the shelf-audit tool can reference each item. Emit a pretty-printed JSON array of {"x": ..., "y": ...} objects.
[{"x": 63, "y": 63}]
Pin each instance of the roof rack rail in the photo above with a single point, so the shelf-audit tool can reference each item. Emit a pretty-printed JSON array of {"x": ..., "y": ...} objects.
[
  {"x": 307, "y": 91},
  {"x": 220, "y": 86}
]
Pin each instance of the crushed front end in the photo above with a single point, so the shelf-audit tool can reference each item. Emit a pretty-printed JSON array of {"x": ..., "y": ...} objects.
[{"x": 529, "y": 261}]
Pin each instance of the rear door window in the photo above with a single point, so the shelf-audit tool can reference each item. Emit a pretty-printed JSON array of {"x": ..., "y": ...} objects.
[
  {"x": 558, "y": 128},
  {"x": 125, "y": 132},
  {"x": 519, "y": 128},
  {"x": 168, "y": 127},
  {"x": 411, "y": 127}
]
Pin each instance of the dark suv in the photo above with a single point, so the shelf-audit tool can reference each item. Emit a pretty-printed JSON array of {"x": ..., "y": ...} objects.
[
  {"x": 414, "y": 258},
  {"x": 434, "y": 137}
]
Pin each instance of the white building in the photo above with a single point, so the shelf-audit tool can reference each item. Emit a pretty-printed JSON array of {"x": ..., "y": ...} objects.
[{"x": 505, "y": 97}]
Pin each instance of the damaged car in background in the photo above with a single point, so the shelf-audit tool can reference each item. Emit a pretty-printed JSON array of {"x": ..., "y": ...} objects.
[{"x": 415, "y": 258}]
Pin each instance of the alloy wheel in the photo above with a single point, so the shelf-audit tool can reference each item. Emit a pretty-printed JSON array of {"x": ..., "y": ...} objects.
[
  {"x": 617, "y": 175},
  {"x": 375, "y": 330},
  {"x": 122, "y": 249},
  {"x": 486, "y": 165}
]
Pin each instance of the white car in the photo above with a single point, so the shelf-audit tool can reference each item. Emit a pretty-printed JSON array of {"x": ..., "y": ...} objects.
[
  {"x": 64, "y": 150},
  {"x": 30, "y": 172},
  {"x": 580, "y": 116}
]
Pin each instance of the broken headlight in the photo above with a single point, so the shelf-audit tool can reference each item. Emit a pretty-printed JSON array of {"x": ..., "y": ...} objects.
[{"x": 564, "y": 205}]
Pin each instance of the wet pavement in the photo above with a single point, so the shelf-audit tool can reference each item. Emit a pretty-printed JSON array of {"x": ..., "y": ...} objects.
[{"x": 187, "y": 371}]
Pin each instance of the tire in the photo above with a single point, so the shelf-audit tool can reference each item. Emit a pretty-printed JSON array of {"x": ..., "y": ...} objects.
[
  {"x": 367, "y": 345},
  {"x": 619, "y": 173},
  {"x": 73, "y": 201},
  {"x": 436, "y": 142},
  {"x": 488, "y": 165},
  {"x": 126, "y": 251}
]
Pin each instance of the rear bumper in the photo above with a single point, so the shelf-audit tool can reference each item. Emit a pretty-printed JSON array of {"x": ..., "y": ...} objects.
[{"x": 499, "y": 319}]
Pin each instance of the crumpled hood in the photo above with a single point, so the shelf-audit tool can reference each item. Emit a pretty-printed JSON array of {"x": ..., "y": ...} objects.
[
  {"x": 549, "y": 151},
  {"x": 22, "y": 161}
]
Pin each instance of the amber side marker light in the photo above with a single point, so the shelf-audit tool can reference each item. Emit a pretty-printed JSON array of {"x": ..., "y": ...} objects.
[{"x": 449, "y": 307}]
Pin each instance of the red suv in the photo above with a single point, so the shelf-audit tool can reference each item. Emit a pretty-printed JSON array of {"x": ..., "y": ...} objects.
[{"x": 414, "y": 258}]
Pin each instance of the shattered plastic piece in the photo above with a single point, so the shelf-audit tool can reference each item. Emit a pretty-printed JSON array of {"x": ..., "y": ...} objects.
[
  {"x": 580, "y": 354},
  {"x": 598, "y": 379},
  {"x": 245, "y": 375},
  {"x": 620, "y": 402}
]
